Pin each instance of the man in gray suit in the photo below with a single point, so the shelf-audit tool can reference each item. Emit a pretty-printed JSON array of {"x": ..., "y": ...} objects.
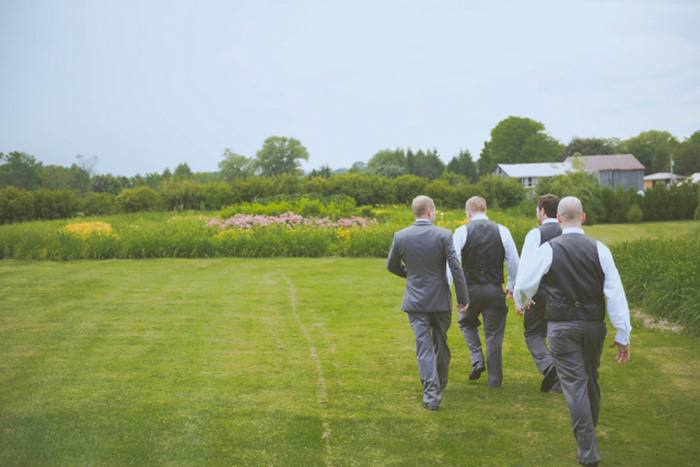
[
  {"x": 420, "y": 254},
  {"x": 578, "y": 273}
]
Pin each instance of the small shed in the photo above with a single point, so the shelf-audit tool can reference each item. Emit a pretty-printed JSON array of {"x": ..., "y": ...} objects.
[
  {"x": 667, "y": 178},
  {"x": 612, "y": 170}
]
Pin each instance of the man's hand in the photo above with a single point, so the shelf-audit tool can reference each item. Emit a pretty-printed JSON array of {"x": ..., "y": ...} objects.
[
  {"x": 509, "y": 294},
  {"x": 623, "y": 352},
  {"x": 462, "y": 308},
  {"x": 521, "y": 311}
]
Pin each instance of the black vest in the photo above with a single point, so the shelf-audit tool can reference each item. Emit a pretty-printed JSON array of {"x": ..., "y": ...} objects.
[
  {"x": 574, "y": 283},
  {"x": 548, "y": 231},
  {"x": 483, "y": 253}
]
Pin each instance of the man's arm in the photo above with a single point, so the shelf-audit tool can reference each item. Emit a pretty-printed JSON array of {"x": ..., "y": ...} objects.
[
  {"x": 618, "y": 308},
  {"x": 456, "y": 269},
  {"x": 530, "y": 275},
  {"x": 512, "y": 259},
  {"x": 394, "y": 263},
  {"x": 532, "y": 241},
  {"x": 459, "y": 239}
]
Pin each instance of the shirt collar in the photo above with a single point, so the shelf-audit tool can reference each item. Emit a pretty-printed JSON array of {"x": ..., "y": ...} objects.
[
  {"x": 422, "y": 222},
  {"x": 572, "y": 230},
  {"x": 479, "y": 217},
  {"x": 550, "y": 220}
]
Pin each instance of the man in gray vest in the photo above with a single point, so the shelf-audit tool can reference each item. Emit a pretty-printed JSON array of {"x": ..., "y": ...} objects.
[
  {"x": 420, "y": 254},
  {"x": 482, "y": 246},
  {"x": 578, "y": 273},
  {"x": 535, "y": 324}
]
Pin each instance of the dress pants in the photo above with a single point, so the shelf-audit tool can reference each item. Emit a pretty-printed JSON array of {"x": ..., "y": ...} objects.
[
  {"x": 488, "y": 300},
  {"x": 536, "y": 332},
  {"x": 432, "y": 353},
  {"x": 576, "y": 348}
]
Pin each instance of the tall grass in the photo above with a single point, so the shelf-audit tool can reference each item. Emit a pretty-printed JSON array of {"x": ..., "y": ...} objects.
[{"x": 662, "y": 277}]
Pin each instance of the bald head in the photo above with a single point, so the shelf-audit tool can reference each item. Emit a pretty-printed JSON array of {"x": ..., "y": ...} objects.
[
  {"x": 570, "y": 212},
  {"x": 422, "y": 207}
]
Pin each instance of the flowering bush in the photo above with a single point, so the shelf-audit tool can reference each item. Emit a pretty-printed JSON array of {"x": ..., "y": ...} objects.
[{"x": 288, "y": 219}]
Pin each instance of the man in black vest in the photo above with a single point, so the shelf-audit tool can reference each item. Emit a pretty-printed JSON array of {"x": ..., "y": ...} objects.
[
  {"x": 535, "y": 324},
  {"x": 578, "y": 273},
  {"x": 482, "y": 246}
]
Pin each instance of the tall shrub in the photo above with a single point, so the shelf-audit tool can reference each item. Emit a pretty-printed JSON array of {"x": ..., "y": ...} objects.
[
  {"x": 16, "y": 205},
  {"x": 142, "y": 198},
  {"x": 55, "y": 204}
]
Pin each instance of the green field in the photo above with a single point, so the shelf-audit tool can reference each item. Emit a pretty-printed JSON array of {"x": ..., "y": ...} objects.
[{"x": 292, "y": 362}]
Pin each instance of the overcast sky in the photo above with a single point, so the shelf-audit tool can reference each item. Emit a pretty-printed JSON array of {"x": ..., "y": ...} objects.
[{"x": 146, "y": 85}]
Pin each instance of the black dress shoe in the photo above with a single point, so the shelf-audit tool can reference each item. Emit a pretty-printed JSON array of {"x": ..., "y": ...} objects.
[
  {"x": 589, "y": 464},
  {"x": 430, "y": 407},
  {"x": 477, "y": 369},
  {"x": 550, "y": 375}
]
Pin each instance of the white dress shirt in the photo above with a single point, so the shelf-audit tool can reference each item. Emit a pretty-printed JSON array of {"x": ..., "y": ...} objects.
[
  {"x": 532, "y": 240},
  {"x": 538, "y": 264},
  {"x": 459, "y": 239}
]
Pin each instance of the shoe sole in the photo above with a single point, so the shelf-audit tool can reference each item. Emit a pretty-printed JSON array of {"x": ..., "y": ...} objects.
[
  {"x": 476, "y": 374},
  {"x": 548, "y": 381}
]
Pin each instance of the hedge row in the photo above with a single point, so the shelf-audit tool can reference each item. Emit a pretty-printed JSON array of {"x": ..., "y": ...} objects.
[
  {"x": 661, "y": 278},
  {"x": 20, "y": 205}
]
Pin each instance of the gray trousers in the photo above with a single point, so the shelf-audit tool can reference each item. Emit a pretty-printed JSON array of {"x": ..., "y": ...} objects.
[
  {"x": 489, "y": 301},
  {"x": 536, "y": 333},
  {"x": 432, "y": 353},
  {"x": 576, "y": 348}
]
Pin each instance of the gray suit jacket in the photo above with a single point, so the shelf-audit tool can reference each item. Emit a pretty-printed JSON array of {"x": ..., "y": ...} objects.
[{"x": 420, "y": 254}]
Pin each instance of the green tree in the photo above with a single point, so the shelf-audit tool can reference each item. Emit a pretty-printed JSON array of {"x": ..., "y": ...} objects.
[
  {"x": 54, "y": 177},
  {"x": 652, "y": 148},
  {"x": 463, "y": 165},
  {"x": 279, "y": 155},
  {"x": 234, "y": 166},
  {"x": 583, "y": 185},
  {"x": 79, "y": 179},
  {"x": 428, "y": 164},
  {"x": 324, "y": 172},
  {"x": 109, "y": 184},
  {"x": 20, "y": 170},
  {"x": 388, "y": 163},
  {"x": 590, "y": 147},
  {"x": 518, "y": 140},
  {"x": 183, "y": 172},
  {"x": 358, "y": 167},
  {"x": 686, "y": 157},
  {"x": 501, "y": 192}
]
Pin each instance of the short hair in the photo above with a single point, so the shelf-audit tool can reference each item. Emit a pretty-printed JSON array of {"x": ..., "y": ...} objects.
[
  {"x": 476, "y": 204},
  {"x": 549, "y": 203},
  {"x": 570, "y": 208},
  {"x": 421, "y": 204}
]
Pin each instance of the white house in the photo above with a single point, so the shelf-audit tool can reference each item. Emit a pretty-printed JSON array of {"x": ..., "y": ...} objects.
[{"x": 530, "y": 174}]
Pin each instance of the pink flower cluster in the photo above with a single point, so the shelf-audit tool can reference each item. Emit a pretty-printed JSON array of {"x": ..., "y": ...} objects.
[{"x": 289, "y": 219}]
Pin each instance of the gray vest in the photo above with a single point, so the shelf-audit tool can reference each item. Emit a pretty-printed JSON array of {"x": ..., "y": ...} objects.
[
  {"x": 574, "y": 283},
  {"x": 548, "y": 231},
  {"x": 483, "y": 253}
]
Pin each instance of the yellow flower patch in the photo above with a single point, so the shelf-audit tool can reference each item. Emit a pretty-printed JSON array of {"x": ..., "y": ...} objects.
[{"x": 85, "y": 229}]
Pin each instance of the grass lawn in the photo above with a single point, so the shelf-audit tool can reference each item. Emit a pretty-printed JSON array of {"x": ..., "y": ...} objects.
[
  {"x": 292, "y": 362},
  {"x": 614, "y": 233}
]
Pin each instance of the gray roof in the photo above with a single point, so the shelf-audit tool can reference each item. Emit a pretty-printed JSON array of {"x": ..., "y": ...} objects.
[
  {"x": 539, "y": 169},
  {"x": 608, "y": 162}
]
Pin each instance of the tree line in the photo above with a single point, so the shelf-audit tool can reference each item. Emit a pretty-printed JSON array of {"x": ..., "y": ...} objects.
[{"x": 513, "y": 140}]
